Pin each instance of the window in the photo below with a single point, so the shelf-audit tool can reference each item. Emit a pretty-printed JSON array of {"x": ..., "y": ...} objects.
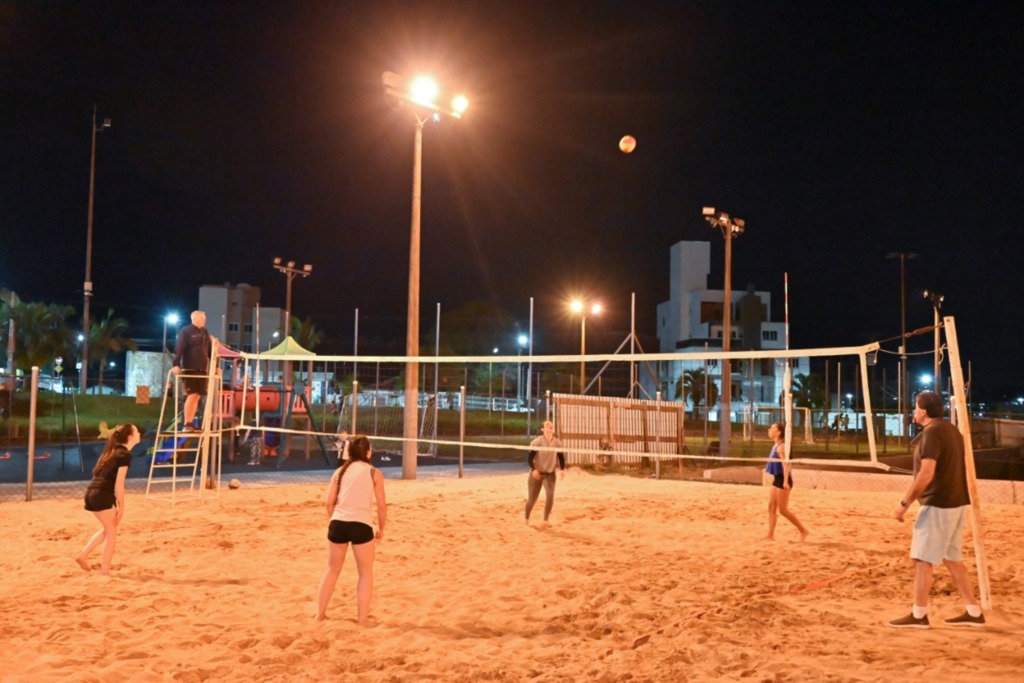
[
  {"x": 247, "y": 329},
  {"x": 247, "y": 348},
  {"x": 770, "y": 335},
  {"x": 232, "y": 327}
]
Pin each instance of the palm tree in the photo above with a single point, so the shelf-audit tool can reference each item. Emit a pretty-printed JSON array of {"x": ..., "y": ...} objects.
[
  {"x": 808, "y": 391},
  {"x": 41, "y": 332},
  {"x": 107, "y": 337},
  {"x": 306, "y": 334},
  {"x": 691, "y": 385}
]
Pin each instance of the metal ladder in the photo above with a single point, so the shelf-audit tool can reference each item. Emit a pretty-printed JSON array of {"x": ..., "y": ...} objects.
[{"x": 187, "y": 464}]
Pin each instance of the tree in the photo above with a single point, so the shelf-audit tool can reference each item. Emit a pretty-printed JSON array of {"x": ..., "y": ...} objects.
[
  {"x": 41, "y": 332},
  {"x": 808, "y": 391},
  {"x": 691, "y": 386},
  {"x": 107, "y": 337},
  {"x": 8, "y": 300},
  {"x": 306, "y": 334}
]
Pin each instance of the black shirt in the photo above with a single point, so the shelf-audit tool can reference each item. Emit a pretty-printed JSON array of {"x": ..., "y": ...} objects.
[
  {"x": 192, "y": 350},
  {"x": 107, "y": 477}
]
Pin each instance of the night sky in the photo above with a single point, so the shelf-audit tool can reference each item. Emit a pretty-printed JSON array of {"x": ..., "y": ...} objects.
[{"x": 840, "y": 132}]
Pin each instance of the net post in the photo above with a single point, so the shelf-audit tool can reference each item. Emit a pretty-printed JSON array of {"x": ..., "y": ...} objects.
[{"x": 964, "y": 424}]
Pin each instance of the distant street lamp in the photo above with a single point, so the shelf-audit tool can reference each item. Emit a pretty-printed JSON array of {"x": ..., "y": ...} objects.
[
  {"x": 730, "y": 227},
  {"x": 580, "y": 309},
  {"x": 490, "y": 383},
  {"x": 419, "y": 95},
  {"x": 171, "y": 318},
  {"x": 904, "y": 397},
  {"x": 290, "y": 272},
  {"x": 521, "y": 341},
  {"x": 936, "y": 300},
  {"x": 87, "y": 289}
]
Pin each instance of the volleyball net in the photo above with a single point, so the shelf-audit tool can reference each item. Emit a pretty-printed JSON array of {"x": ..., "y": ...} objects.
[{"x": 606, "y": 408}]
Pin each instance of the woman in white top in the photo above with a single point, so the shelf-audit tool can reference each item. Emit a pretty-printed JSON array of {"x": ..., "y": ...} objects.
[{"x": 354, "y": 487}]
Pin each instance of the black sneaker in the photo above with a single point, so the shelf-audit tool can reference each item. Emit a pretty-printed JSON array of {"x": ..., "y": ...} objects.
[
  {"x": 965, "y": 619},
  {"x": 910, "y": 621}
]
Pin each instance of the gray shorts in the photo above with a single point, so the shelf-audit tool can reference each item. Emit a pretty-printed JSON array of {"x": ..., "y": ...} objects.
[{"x": 938, "y": 534}]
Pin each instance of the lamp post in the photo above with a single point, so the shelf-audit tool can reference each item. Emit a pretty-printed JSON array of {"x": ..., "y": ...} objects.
[
  {"x": 419, "y": 95},
  {"x": 581, "y": 309},
  {"x": 903, "y": 401},
  {"x": 290, "y": 272},
  {"x": 730, "y": 227},
  {"x": 87, "y": 288},
  {"x": 171, "y": 318},
  {"x": 490, "y": 383},
  {"x": 521, "y": 342},
  {"x": 936, "y": 300}
]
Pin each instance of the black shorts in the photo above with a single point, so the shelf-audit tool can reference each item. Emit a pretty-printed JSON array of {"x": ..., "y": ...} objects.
[
  {"x": 194, "y": 385},
  {"x": 97, "y": 500},
  {"x": 355, "y": 533},
  {"x": 777, "y": 481}
]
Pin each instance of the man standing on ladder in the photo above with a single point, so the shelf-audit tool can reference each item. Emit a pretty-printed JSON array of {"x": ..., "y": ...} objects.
[{"x": 192, "y": 354}]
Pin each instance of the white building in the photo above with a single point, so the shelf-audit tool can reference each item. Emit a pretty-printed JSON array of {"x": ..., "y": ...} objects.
[
  {"x": 692, "y": 320},
  {"x": 231, "y": 316}
]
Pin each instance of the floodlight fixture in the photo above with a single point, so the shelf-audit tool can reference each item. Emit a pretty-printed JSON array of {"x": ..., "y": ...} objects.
[{"x": 421, "y": 92}]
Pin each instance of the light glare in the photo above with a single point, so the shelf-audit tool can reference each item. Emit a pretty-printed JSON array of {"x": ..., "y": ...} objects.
[{"x": 423, "y": 90}]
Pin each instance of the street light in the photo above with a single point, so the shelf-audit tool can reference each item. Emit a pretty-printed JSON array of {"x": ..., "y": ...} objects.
[
  {"x": 290, "y": 272},
  {"x": 87, "y": 289},
  {"x": 490, "y": 383},
  {"x": 420, "y": 96},
  {"x": 904, "y": 397},
  {"x": 936, "y": 300},
  {"x": 730, "y": 227},
  {"x": 580, "y": 309},
  {"x": 171, "y": 318},
  {"x": 521, "y": 341}
]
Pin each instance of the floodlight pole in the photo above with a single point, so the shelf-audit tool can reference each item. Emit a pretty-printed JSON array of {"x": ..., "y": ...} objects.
[
  {"x": 936, "y": 300},
  {"x": 420, "y": 99},
  {"x": 904, "y": 397},
  {"x": 730, "y": 227},
  {"x": 290, "y": 272},
  {"x": 87, "y": 288},
  {"x": 410, "y": 448}
]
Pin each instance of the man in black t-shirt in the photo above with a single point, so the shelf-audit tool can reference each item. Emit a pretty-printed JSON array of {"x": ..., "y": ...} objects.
[
  {"x": 192, "y": 354},
  {"x": 940, "y": 483}
]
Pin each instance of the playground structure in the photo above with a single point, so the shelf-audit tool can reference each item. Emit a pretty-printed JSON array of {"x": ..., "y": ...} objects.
[{"x": 187, "y": 459}]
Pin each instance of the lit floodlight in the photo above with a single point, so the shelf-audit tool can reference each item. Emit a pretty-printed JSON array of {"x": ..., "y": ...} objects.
[
  {"x": 460, "y": 103},
  {"x": 522, "y": 339},
  {"x": 423, "y": 90},
  {"x": 926, "y": 379},
  {"x": 709, "y": 211},
  {"x": 595, "y": 309},
  {"x": 277, "y": 260},
  {"x": 576, "y": 306}
]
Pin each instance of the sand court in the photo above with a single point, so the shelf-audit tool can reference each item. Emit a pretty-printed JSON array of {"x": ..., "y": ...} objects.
[{"x": 634, "y": 580}]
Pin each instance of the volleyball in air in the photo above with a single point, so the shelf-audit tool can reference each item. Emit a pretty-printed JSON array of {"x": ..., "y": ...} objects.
[{"x": 627, "y": 144}]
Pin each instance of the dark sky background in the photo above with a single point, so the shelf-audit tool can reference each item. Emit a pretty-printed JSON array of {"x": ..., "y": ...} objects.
[{"x": 840, "y": 132}]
